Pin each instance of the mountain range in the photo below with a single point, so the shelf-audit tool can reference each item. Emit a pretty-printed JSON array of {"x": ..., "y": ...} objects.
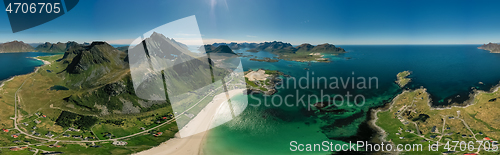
[
  {"x": 218, "y": 49},
  {"x": 19, "y": 46},
  {"x": 172, "y": 59},
  {"x": 279, "y": 47},
  {"x": 99, "y": 69},
  {"x": 15, "y": 47},
  {"x": 236, "y": 46},
  {"x": 56, "y": 47}
]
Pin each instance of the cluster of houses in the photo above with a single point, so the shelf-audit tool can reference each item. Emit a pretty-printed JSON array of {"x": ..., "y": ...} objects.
[
  {"x": 78, "y": 137},
  {"x": 165, "y": 118},
  {"x": 40, "y": 115},
  {"x": 492, "y": 141}
]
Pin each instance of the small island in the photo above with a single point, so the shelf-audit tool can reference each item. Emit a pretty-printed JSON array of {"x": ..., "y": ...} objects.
[
  {"x": 493, "y": 48},
  {"x": 266, "y": 59},
  {"x": 262, "y": 81},
  {"x": 403, "y": 78}
]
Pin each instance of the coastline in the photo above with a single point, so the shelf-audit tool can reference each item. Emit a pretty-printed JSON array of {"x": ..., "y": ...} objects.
[
  {"x": 45, "y": 62},
  {"x": 381, "y": 133},
  {"x": 192, "y": 145},
  {"x": 2, "y": 83},
  {"x": 10, "y": 79}
]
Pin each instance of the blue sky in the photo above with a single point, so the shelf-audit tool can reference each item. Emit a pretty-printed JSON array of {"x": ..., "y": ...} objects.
[{"x": 315, "y": 22}]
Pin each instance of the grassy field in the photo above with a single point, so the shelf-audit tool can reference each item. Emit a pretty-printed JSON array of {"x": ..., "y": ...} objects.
[
  {"x": 403, "y": 78},
  {"x": 36, "y": 97},
  {"x": 253, "y": 85},
  {"x": 411, "y": 107}
]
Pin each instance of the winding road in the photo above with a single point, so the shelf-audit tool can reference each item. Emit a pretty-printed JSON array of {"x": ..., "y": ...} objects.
[{"x": 16, "y": 98}]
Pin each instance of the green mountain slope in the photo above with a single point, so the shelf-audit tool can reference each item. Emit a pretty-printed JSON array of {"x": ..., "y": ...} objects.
[
  {"x": 278, "y": 47},
  {"x": 93, "y": 65},
  {"x": 184, "y": 70},
  {"x": 327, "y": 48}
]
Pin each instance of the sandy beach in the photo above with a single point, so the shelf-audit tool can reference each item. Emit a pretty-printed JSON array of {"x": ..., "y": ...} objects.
[
  {"x": 44, "y": 61},
  {"x": 192, "y": 145},
  {"x": 3, "y": 82}
]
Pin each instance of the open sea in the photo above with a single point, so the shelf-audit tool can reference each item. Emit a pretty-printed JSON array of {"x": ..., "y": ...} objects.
[{"x": 447, "y": 71}]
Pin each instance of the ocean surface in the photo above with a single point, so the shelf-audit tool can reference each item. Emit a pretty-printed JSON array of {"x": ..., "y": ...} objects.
[
  {"x": 447, "y": 71},
  {"x": 12, "y": 64}
]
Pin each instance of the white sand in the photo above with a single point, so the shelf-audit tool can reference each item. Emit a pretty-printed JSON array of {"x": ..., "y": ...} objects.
[
  {"x": 257, "y": 75},
  {"x": 44, "y": 61},
  {"x": 192, "y": 145}
]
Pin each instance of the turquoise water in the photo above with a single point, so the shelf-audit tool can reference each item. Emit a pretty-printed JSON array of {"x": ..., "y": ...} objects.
[
  {"x": 447, "y": 71},
  {"x": 12, "y": 64}
]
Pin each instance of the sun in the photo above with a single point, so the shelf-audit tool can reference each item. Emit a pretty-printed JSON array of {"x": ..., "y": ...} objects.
[{"x": 213, "y": 3}]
